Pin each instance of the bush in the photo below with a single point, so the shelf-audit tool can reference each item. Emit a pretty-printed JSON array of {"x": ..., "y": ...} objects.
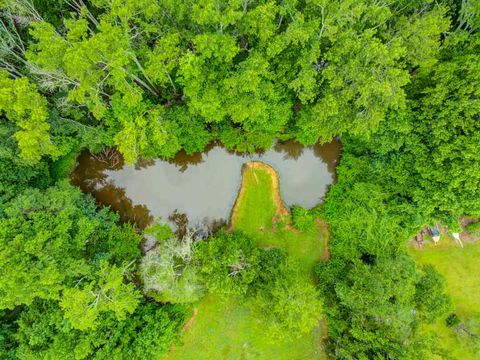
[
  {"x": 474, "y": 228},
  {"x": 430, "y": 295},
  {"x": 303, "y": 219},
  {"x": 287, "y": 299},
  {"x": 229, "y": 263},
  {"x": 60, "y": 168},
  {"x": 452, "y": 320}
]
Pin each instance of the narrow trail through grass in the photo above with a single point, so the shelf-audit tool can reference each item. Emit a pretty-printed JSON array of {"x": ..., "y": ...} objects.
[{"x": 229, "y": 330}]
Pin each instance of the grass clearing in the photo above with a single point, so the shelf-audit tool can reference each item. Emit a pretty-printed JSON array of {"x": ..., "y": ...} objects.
[
  {"x": 460, "y": 267},
  {"x": 229, "y": 330},
  {"x": 260, "y": 213}
]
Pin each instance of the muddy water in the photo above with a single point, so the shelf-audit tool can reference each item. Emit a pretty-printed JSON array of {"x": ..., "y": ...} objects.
[{"x": 204, "y": 185}]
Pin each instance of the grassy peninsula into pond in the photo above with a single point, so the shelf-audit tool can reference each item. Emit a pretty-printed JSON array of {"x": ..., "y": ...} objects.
[{"x": 229, "y": 330}]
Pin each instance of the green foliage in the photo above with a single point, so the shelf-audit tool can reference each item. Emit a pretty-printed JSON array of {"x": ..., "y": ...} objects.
[
  {"x": 458, "y": 266},
  {"x": 467, "y": 331},
  {"x": 245, "y": 71},
  {"x": 107, "y": 292},
  {"x": 304, "y": 219},
  {"x": 375, "y": 298},
  {"x": 398, "y": 81},
  {"x": 228, "y": 263},
  {"x": 16, "y": 173},
  {"x": 452, "y": 320},
  {"x": 168, "y": 271},
  {"x": 25, "y": 107},
  {"x": 46, "y": 240},
  {"x": 421, "y": 35},
  {"x": 43, "y": 237},
  {"x": 428, "y": 155},
  {"x": 191, "y": 132},
  {"x": 71, "y": 265},
  {"x": 473, "y": 228},
  {"x": 361, "y": 214},
  {"x": 469, "y": 15},
  {"x": 62, "y": 167},
  {"x": 371, "y": 307},
  {"x": 371, "y": 304},
  {"x": 145, "y": 334},
  {"x": 141, "y": 130},
  {"x": 275, "y": 285},
  {"x": 285, "y": 296},
  {"x": 432, "y": 301}
]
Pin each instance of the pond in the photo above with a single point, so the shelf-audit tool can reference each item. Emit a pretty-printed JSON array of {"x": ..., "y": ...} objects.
[{"x": 203, "y": 186}]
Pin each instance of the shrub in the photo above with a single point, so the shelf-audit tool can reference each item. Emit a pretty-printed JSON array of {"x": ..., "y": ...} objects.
[
  {"x": 474, "y": 228},
  {"x": 452, "y": 320},
  {"x": 303, "y": 219}
]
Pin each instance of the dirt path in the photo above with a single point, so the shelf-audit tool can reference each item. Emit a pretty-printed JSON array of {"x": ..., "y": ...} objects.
[
  {"x": 190, "y": 321},
  {"x": 185, "y": 327},
  {"x": 324, "y": 225},
  {"x": 281, "y": 209}
]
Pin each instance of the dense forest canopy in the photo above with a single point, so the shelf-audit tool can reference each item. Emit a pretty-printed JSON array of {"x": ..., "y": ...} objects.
[
  {"x": 160, "y": 76},
  {"x": 397, "y": 81}
]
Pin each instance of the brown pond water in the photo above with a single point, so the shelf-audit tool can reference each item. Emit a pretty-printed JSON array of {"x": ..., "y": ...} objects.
[{"x": 203, "y": 185}]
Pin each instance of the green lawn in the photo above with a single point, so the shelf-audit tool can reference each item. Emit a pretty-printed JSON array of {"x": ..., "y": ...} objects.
[
  {"x": 228, "y": 330},
  {"x": 461, "y": 269},
  {"x": 257, "y": 217}
]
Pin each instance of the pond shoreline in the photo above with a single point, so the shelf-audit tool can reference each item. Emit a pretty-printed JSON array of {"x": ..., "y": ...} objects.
[
  {"x": 281, "y": 209},
  {"x": 203, "y": 186}
]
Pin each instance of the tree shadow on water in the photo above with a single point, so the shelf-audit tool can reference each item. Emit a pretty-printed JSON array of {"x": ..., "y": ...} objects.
[{"x": 292, "y": 150}]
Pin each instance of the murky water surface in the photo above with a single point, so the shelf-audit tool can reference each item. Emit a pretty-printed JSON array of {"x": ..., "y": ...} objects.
[{"x": 203, "y": 185}]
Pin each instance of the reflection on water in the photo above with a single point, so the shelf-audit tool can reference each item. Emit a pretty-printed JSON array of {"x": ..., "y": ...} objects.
[{"x": 203, "y": 185}]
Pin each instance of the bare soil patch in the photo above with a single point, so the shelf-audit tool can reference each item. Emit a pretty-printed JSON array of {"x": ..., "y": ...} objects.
[{"x": 324, "y": 226}]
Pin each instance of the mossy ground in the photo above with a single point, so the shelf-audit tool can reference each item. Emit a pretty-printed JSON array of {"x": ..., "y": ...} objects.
[{"x": 229, "y": 330}]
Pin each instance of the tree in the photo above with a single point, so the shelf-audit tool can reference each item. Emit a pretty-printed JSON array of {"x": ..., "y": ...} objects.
[
  {"x": 372, "y": 311},
  {"x": 430, "y": 296},
  {"x": 421, "y": 35},
  {"x": 106, "y": 292},
  {"x": 361, "y": 86},
  {"x": 285, "y": 296},
  {"x": 16, "y": 174},
  {"x": 168, "y": 271},
  {"x": 141, "y": 130},
  {"x": 304, "y": 219},
  {"x": 370, "y": 286},
  {"x": 469, "y": 15},
  {"x": 429, "y": 153},
  {"x": 145, "y": 334},
  {"x": 247, "y": 72},
  {"x": 47, "y": 238},
  {"x": 26, "y": 108},
  {"x": 42, "y": 238},
  {"x": 228, "y": 263},
  {"x": 398, "y": 81},
  {"x": 362, "y": 71}
]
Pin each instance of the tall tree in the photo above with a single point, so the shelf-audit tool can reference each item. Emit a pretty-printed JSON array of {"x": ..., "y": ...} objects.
[
  {"x": 21, "y": 104},
  {"x": 247, "y": 71},
  {"x": 54, "y": 246}
]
